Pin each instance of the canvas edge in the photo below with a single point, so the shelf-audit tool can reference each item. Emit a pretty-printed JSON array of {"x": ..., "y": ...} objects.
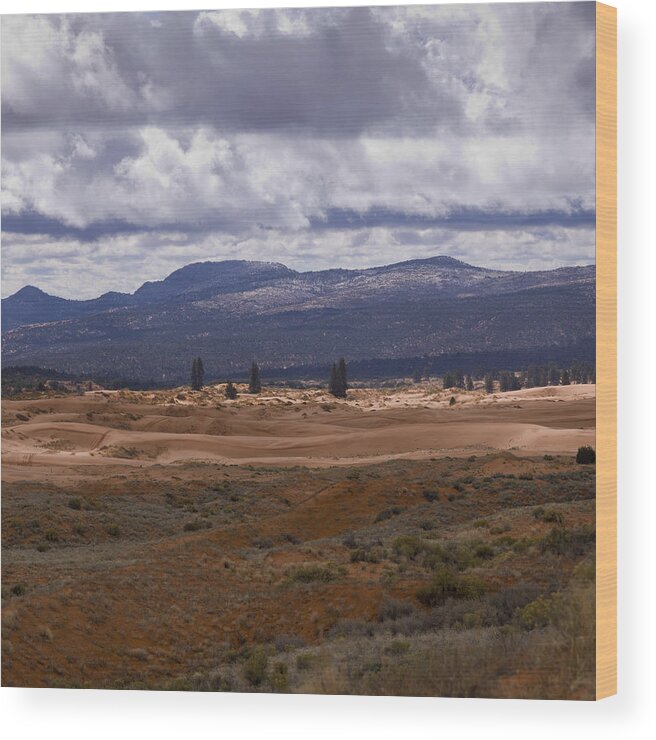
[{"x": 606, "y": 346}]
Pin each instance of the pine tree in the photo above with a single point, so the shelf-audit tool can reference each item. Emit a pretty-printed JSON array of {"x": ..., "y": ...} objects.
[
  {"x": 448, "y": 381},
  {"x": 489, "y": 384},
  {"x": 197, "y": 374},
  {"x": 554, "y": 375},
  {"x": 564, "y": 378},
  {"x": 230, "y": 391},
  {"x": 201, "y": 373},
  {"x": 470, "y": 383},
  {"x": 416, "y": 376},
  {"x": 255, "y": 384},
  {"x": 341, "y": 372},
  {"x": 337, "y": 385}
]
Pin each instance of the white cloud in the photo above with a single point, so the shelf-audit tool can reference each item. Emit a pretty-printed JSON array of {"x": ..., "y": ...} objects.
[{"x": 249, "y": 132}]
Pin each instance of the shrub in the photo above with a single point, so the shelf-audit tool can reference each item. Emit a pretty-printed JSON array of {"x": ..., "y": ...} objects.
[
  {"x": 51, "y": 536},
  {"x": 393, "y": 609},
  {"x": 452, "y": 401},
  {"x": 278, "y": 678},
  {"x": 508, "y": 600},
  {"x": 75, "y": 503},
  {"x": 484, "y": 552},
  {"x": 431, "y": 495},
  {"x": 256, "y": 666},
  {"x": 363, "y": 555},
  {"x": 548, "y": 515},
  {"x": 539, "y": 613},
  {"x": 408, "y": 546},
  {"x": 113, "y": 530},
  {"x": 397, "y": 647},
  {"x": 350, "y": 541},
  {"x": 304, "y": 661},
  {"x": 263, "y": 543},
  {"x": 388, "y": 513},
  {"x": 311, "y": 574},
  {"x": 446, "y": 584},
  {"x": 570, "y": 542},
  {"x": 586, "y": 455},
  {"x": 18, "y": 589},
  {"x": 192, "y": 526}
]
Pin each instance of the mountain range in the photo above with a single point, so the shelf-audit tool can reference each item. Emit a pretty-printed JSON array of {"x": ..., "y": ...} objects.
[{"x": 295, "y": 323}]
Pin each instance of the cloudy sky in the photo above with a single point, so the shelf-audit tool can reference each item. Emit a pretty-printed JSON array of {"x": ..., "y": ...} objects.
[{"x": 133, "y": 144}]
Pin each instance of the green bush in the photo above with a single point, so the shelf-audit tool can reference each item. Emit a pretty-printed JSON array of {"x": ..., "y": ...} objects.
[
  {"x": 586, "y": 455},
  {"x": 446, "y": 584},
  {"x": 311, "y": 574},
  {"x": 278, "y": 678},
  {"x": 539, "y": 613},
  {"x": 256, "y": 667},
  {"x": 570, "y": 542},
  {"x": 75, "y": 503}
]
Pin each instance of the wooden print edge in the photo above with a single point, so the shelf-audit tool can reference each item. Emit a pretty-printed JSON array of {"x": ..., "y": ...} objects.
[{"x": 606, "y": 346}]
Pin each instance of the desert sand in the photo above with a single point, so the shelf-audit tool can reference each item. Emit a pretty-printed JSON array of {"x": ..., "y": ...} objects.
[{"x": 289, "y": 427}]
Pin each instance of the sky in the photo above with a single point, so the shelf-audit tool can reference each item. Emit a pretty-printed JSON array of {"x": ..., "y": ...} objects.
[{"x": 136, "y": 143}]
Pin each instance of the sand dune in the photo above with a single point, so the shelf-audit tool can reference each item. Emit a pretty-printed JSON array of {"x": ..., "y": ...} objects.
[{"x": 94, "y": 429}]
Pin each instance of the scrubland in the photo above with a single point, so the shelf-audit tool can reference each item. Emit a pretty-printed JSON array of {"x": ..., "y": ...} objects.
[{"x": 387, "y": 544}]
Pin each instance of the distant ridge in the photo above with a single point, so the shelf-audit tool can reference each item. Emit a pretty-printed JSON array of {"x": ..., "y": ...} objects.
[{"x": 235, "y": 310}]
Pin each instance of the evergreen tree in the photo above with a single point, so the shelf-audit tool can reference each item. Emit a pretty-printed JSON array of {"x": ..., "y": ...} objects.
[
  {"x": 452, "y": 401},
  {"x": 564, "y": 378},
  {"x": 426, "y": 373},
  {"x": 416, "y": 376},
  {"x": 586, "y": 455},
  {"x": 197, "y": 374},
  {"x": 255, "y": 384},
  {"x": 489, "y": 384},
  {"x": 201, "y": 373},
  {"x": 230, "y": 391},
  {"x": 337, "y": 385},
  {"x": 459, "y": 379},
  {"x": 469, "y": 383},
  {"x": 341, "y": 371},
  {"x": 554, "y": 375},
  {"x": 448, "y": 381}
]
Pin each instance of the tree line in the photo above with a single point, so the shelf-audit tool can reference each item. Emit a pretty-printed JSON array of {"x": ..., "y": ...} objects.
[
  {"x": 533, "y": 377},
  {"x": 337, "y": 383}
]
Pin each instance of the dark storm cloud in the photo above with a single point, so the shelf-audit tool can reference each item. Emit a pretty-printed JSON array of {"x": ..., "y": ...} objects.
[
  {"x": 466, "y": 219},
  {"x": 180, "y": 69}
]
